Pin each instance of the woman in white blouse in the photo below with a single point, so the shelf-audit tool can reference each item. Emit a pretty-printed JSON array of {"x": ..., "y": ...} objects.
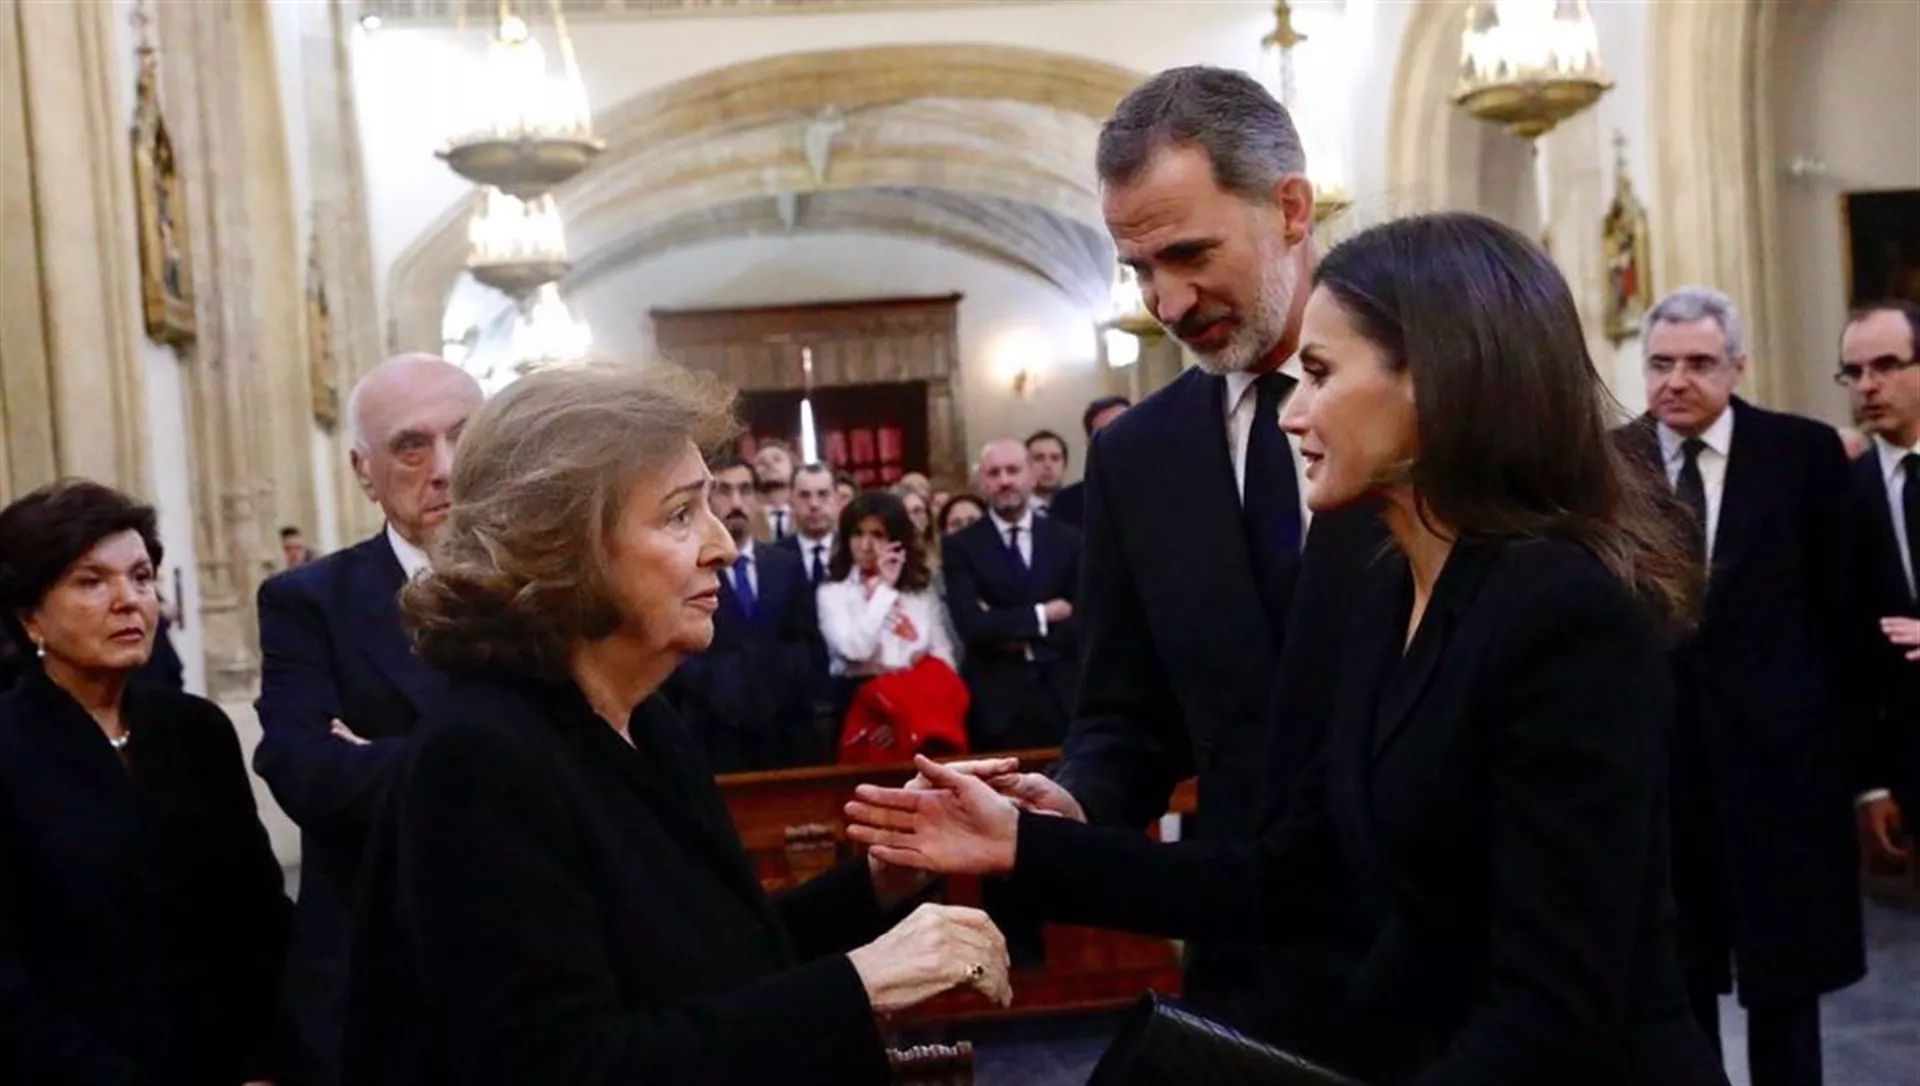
[{"x": 878, "y": 610}]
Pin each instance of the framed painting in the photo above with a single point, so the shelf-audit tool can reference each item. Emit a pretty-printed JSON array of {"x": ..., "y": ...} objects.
[
  {"x": 1883, "y": 245},
  {"x": 1625, "y": 246},
  {"x": 166, "y": 268}
]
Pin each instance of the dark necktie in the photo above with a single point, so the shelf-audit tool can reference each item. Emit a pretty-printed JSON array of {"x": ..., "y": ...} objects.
[
  {"x": 1013, "y": 547},
  {"x": 1270, "y": 494},
  {"x": 743, "y": 587},
  {"x": 779, "y": 524},
  {"x": 1691, "y": 489},
  {"x": 817, "y": 573},
  {"x": 1910, "y": 512}
]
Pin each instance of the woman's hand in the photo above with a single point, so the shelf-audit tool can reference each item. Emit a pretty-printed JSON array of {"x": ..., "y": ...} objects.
[
  {"x": 1904, "y": 632},
  {"x": 937, "y": 948},
  {"x": 892, "y": 560},
  {"x": 959, "y": 826},
  {"x": 1034, "y": 792}
]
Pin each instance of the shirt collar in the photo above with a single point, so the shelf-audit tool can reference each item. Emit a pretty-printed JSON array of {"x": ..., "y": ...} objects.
[
  {"x": 807, "y": 545},
  {"x": 1025, "y": 523},
  {"x": 746, "y": 550},
  {"x": 1718, "y": 437},
  {"x": 1890, "y": 456},
  {"x": 413, "y": 560},
  {"x": 1239, "y": 383}
]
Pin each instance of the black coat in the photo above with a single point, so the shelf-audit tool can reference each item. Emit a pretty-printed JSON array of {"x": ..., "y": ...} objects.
[
  {"x": 1068, "y": 505},
  {"x": 1488, "y": 808},
  {"x": 332, "y": 646},
  {"x": 1765, "y": 847},
  {"x": 143, "y": 921},
  {"x": 546, "y": 904},
  {"x": 993, "y": 600},
  {"x": 1892, "y": 753},
  {"x": 748, "y": 698}
]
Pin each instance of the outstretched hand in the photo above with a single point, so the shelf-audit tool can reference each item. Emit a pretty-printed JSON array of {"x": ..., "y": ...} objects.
[
  {"x": 957, "y": 826},
  {"x": 1032, "y": 791}
]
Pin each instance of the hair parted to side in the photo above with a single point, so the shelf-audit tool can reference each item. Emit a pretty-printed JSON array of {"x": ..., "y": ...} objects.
[
  {"x": 1514, "y": 420},
  {"x": 44, "y": 532},
  {"x": 891, "y": 512},
  {"x": 521, "y": 567},
  {"x": 1245, "y": 131}
]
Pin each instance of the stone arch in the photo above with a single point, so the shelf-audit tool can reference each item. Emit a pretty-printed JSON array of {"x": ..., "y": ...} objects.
[
  {"x": 1439, "y": 157},
  {"x": 659, "y": 130}
]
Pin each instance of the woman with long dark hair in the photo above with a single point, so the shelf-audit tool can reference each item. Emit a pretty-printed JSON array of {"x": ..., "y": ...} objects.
[{"x": 1486, "y": 823}]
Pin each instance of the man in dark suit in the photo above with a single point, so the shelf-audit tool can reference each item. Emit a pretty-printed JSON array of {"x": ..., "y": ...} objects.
[
  {"x": 340, "y": 685},
  {"x": 1878, "y": 367},
  {"x": 1765, "y": 860},
  {"x": 1193, "y": 524},
  {"x": 1010, "y": 583},
  {"x": 816, "y": 513},
  {"x": 1069, "y": 505},
  {"x": 748, "y": 697}
]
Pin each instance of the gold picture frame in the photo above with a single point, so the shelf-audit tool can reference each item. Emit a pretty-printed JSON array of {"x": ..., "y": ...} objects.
[
  {"x": 1628, "y": 254},
  {"x": 323, "y": 382},
  {"x": 166, "y": 265}
]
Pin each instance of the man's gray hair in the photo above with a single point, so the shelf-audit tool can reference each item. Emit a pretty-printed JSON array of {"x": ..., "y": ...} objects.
[
  {"x": 1246, "y": 133},
  {"x": 1689, "y": 304}
]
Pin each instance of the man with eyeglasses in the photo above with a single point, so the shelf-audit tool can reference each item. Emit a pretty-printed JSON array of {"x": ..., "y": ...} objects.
[
  {"x": 1764, "y": 774},
  {"x": 1878, "y": 370}
]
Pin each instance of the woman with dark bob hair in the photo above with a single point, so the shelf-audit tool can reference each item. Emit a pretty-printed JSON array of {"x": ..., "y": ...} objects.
[
  {"x": 554, "y": 892},
  {"x": 143, "y": 921},
  {"x": 1485, "y": 829}
]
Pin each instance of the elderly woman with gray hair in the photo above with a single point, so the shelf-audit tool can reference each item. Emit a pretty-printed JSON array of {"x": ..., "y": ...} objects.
[{"x": 555, "y": 892}]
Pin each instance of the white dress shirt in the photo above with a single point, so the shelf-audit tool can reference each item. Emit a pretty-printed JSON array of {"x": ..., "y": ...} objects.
[
  {"x": 825, "y": 543},
  {"x": 753, "y": 571},
  {"x": 862, "y": 623},
  {"x": 1025, "y": 524},
  {"x": 779, "y": 521},
  {"x": 413, "y": 560},
  {"x": 1895, "y": 477},
  {"x": 1718, "y": 439},
  {"x": 1240, "y": 405}
]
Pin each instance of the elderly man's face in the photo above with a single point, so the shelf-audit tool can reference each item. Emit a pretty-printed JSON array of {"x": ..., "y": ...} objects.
[
  {"x": 410, "y": 420},
  {"x": 1690, "y": 376}
]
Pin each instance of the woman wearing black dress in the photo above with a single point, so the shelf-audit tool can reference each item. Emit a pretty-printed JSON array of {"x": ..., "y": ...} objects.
[
  {"x": 142, "y": 917},
  {"x": 554, "y": 892},
  {"x": 1486, "y": 822}
]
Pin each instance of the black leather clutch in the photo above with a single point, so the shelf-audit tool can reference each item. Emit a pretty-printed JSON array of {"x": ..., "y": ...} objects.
[{"x": 1163, "y": 1044}]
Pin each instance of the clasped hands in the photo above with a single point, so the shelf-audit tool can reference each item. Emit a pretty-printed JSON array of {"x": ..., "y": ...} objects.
[{"x": 959, "y": 819}]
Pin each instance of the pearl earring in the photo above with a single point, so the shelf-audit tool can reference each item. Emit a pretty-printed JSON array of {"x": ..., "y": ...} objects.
[{"x": 40, "y": 648}]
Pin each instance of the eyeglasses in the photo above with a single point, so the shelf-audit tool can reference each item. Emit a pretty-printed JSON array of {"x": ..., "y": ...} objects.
[{"x": 1850, "y": 373}]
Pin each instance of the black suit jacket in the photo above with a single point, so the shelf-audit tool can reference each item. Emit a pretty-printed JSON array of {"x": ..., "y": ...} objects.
[
  {"x": 1069, "y": 505},
  {"x": 749, "y": 697},
  {"x": 332, "y": 646},
  {"x": 993, "y": 602},
  {"x": 1489, "y": 808},
  {"x": 1765, "y": 763},
  {"x": 1892, "y": 752},
  {"x": 143, "y": 923},
  {"x": 546, "y": 904}
]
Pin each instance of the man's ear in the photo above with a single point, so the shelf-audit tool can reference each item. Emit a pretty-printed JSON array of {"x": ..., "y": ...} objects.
[
  {"x": 358, "y": 462},
  {"x": 1293, "y": 195}
]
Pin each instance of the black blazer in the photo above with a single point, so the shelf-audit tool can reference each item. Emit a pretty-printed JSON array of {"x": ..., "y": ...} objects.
[
  {"x": 748, "y": 699},
  {"x": 332, "y": 646},
  {"x": 546, "y": 904},
  {"x": 1069, "y": 504},
  {"x": 142, "y": 917},
  {"x": 1770, "y": 718},
  {"x": 993, "y": 602},
  {"x": 1892, "y": 753},
  {"x": 1489, "y": 807}
]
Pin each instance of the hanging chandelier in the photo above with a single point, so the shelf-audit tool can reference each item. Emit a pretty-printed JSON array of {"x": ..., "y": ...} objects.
[
  {"x": 516, "y": 246},
  {"x": 532, "y": 128},
  {"x": 1529, "y": 64},
  {"x": 547, "y": 335},
  {"x": 1330, "y": 195}
]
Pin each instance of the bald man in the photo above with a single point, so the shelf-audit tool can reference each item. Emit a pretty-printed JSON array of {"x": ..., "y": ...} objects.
[
  {"x": 340, "y": 685},
  {"x": 1011, "y": 579}
]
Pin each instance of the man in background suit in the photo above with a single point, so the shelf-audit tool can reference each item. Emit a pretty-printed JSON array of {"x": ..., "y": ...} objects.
[
  {"x": 1010, "y": 583},
  {"x": 1070, "y": 504},
  {"x": 1878, "y": 368},
  {"x": 340, "y": 686},
  {"x": 816, "y": 513},
  {"x": 1193, "y": 520},
  {"x": 1765, "y": 859},
  {"x": 749, "y": 697},
  {"x": 773, "y": 466},
  {"x": 1046, "y": 466}
]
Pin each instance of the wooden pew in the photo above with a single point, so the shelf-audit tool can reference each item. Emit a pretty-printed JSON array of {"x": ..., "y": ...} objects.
[{"x": 794, "y": 829}]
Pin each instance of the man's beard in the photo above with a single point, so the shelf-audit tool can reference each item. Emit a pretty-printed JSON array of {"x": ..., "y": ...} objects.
[{"x": 1260, "y": 330}]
